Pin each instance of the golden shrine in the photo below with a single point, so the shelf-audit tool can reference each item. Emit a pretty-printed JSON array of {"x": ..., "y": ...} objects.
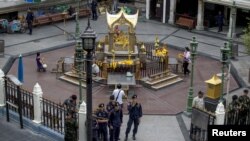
[
  {"x": 120, "y": 52},
  {"x": 119, "y": 47},
  {"x": 120, "y": 58}
]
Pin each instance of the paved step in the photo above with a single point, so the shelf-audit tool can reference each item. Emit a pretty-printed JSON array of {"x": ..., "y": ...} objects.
[
  {"x": 160, "y": 80},
  {"x": 166, "y": 84},
  {"x": 74, "y": 75},
  {"x": 72, "y": 80}
]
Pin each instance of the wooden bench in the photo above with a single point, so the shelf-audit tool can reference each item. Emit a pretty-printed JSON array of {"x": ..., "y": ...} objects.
[
  {"x": 185, "y": 22},
  {"x": 84, "y": 12},
  {"x": 56, "y": 17},
  {"x": 43, "y": 20},
  {"x": 159, "y": 75}
]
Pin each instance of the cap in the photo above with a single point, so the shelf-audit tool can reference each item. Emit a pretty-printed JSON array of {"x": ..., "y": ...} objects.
[
  {"x": 101, "y": 105},
  {"x": 134, "y": 96},
  {"x": 74, "y": 97}
]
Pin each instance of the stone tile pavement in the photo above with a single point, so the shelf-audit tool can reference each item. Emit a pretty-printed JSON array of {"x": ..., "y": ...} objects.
[{"x": 47, "y": 38}]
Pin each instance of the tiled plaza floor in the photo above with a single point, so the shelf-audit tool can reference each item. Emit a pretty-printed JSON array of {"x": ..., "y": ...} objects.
[{"x": 170, "y": 100}]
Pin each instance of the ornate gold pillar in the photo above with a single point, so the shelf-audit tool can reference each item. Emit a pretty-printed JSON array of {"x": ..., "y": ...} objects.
[
  {"x": 105, "y": 68},
  {"x": 137, "y": 69}
]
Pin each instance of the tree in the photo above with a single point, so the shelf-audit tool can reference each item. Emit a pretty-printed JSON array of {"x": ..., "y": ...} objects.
[{"x": 246, "y": 37}]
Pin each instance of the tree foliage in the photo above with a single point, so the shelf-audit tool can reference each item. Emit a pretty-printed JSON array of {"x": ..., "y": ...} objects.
[{"x": 246, "y": 38}]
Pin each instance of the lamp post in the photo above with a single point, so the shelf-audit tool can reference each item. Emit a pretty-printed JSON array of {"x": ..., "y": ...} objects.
[
  {"x": 224, "y": 60},
  {"x": 88, "y": 43},
  {"x": 232, "y": 28},
  {"x": 77, "y": 30},
  {"x": 193, "y": 45},
  {"x": 79, "y": 55}
]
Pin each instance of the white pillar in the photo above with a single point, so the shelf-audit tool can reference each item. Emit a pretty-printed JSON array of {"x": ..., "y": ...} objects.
[
  {"x": 147, "y": 8},
  {"x": 82, "y": 120},
  {"x": 37, "y": 91},
  {"x": 232, "y": 22},
  {"x": 171, "y": 19},
  {"x": 220, "y": 114},
  {"x": 2, "y": 93},
  {"x": 200, "y": 16},
  {"x": 164, "y": 11}
]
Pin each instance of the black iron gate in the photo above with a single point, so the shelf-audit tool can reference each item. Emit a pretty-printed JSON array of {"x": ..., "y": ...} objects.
[
  {"x": 199, "y": 124},
  {"x": 13, "y": 97}
]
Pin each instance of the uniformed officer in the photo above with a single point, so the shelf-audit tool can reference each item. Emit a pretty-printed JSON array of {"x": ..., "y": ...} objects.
[
  {"x": 233, "y": 109},
  {"x": 102, "y": 120},
  {"x": 110, "y": 107},
  {"x": 115, "y": 122},
  {"x": 70, "y": 128},
  {"x": 95, "y": 128},
  {"x": 244, "y": 102},
  {"x": 70, "y": 104},
  {"x": 135, "y": 113}
]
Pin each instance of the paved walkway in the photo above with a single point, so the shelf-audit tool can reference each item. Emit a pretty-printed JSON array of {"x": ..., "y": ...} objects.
[
  {"x": 11, "y": 131},
  {"x": 171, "y": 128}
]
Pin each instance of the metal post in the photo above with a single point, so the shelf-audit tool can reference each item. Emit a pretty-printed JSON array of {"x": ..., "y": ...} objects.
[
  {"x": 89, "y": 94},
  {"x": 7, "y": 98},
  {"x": 230, "y": 40},
  {"x": 193, "y": 46},
  {"x": 77, "y": 31},
  {"x": 20, "y": 106},
  {"x": 224, "y": 60},
  {"x": 80, "y": 83}
]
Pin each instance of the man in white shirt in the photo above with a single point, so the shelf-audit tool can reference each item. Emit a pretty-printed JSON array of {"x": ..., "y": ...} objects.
[
  {"x": 119, "y": 94},
  {"x": 198, "y": 101},
  {"x": 186, "y": 61}
]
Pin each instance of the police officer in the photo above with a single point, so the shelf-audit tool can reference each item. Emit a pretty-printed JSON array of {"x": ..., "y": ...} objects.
[
  {"x": 135, "y": 113},
  {"x": 244, "y": 102},
  {"x": 110, "y": 107},
  {"x": 70, "y": 104},
  {"x": 115, "y": 122},
  {"x": 70, "y": 128},
  {"x": 102, "y": 120},
  {"x": 233, "y": 108},
  {"x": 95, "y": 128}
]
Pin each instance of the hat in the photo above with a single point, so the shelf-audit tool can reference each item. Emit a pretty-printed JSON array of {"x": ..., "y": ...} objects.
[
  {"x": 134, "y": 96},
  {"x": 74, "y": 97},
  {"x": 101, "y": 105}
]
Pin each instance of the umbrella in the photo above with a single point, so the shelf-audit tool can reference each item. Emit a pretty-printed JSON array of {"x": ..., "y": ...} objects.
[{"x": 20, "y": 68}]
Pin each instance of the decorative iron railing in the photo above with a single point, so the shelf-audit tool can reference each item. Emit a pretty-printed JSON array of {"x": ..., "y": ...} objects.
[
  {"x": 53, "y": 115},
  {"x": 27, "y": 103},
  {"x": 199, "y": 124}
]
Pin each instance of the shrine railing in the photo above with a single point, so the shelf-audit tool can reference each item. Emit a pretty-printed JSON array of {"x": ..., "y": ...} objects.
[
  {"x": 27, "y": 103},
  {"x": 53, "y": 115},
  {"x": 199, "y": 124}
]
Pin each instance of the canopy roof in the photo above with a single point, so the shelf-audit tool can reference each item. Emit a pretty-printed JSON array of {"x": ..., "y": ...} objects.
[{"x": 122, "y": 18}]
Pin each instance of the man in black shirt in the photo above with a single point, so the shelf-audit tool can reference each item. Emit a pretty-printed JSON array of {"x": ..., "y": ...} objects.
[
  {"x": 135, "y": 114},
  {"x": 29, "y": 19}
]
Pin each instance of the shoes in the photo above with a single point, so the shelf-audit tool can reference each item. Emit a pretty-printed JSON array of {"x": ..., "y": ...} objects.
[
  {"x": 126, "y": 138},
  {"x": 134, "y": 138}
]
